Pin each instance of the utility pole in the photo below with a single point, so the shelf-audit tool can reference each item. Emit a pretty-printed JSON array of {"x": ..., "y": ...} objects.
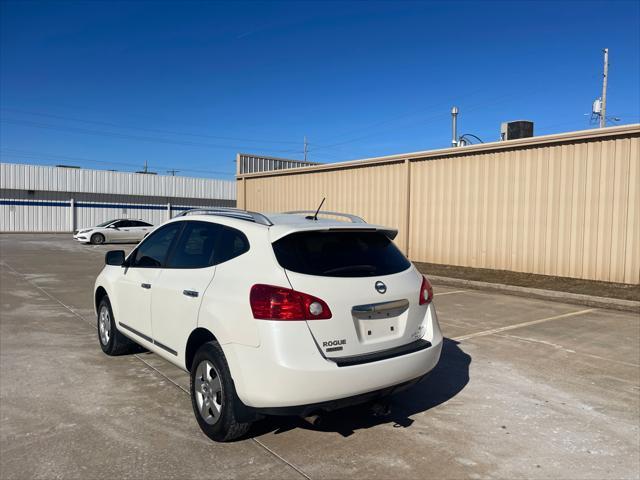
[
  {"x": 305, "y": 148},
  {"x": 603, "y": 114},
  {"x": 146, "y": 168},
  {"x": 173, "y": 172}
]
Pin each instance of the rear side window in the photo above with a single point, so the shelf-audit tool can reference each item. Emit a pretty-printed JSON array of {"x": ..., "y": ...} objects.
[
  {"x": 340, "y": 254},
  {"x": 196, "y": 247},
  {"x": 232, "y": 244}
]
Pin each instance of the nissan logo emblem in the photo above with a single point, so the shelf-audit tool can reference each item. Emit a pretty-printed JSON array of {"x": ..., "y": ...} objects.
[{"x": 381, "y": 287}]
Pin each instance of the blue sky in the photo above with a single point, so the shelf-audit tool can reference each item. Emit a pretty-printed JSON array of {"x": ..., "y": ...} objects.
[{"x": 186, "y": 85}]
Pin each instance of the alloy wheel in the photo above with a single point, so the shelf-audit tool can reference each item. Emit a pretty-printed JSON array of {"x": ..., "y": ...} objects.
[
  {"x": 104, "y": 325},
  {"x": 208, "y": 392}
]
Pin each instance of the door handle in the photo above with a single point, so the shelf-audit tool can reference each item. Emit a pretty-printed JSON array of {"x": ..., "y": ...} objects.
[
  {"x": 146, "y": 285},
  {"x": 190, "y": 293}
]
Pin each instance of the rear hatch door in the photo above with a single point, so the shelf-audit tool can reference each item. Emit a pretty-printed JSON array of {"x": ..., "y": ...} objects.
[{"x": 369, "y": 285}]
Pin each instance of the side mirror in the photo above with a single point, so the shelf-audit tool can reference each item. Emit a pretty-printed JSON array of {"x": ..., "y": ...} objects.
[
  {"x": 115, "y": 258},
  {"x": 113, "y": 226}
]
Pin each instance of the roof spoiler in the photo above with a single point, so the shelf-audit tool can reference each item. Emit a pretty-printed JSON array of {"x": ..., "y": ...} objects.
[
  {"x": 390, "y": 233},
  {"x": 352, "y": 218}
]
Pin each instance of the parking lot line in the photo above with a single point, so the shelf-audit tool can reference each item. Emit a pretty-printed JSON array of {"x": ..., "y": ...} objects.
[
  {"x": 449, "y": 293},
  {"x": 568, "y": 350},
  {"x": 523, "y": 324},
  {"x": 85, "y": 320}
]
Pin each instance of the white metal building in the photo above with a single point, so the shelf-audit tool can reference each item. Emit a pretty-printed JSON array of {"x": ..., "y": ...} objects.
[{"x": 37, "y": 198}]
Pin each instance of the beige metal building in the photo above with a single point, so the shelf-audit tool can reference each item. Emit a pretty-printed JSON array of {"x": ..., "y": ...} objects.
[{"x": 565, "y": 205}]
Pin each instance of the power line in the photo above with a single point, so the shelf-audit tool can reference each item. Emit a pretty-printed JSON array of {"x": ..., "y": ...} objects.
[
  {"x": 406, "y": 114},
  {"x": 154, "y": 130},
  {"x": 85, "y": 131},
  {"x": 430, "y": 119}
]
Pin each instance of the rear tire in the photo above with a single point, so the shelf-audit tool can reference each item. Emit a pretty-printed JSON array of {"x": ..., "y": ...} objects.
[
  {"x": 97, "y": 239},
  {"x": 111, "y": 340},
  {"x": 213, "y": 395}
]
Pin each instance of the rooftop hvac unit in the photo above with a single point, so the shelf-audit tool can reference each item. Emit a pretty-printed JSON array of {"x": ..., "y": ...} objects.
[{"x": 516, "y": 129}]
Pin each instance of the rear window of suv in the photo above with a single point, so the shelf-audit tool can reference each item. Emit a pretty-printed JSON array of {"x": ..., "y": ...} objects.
[{"x": 340, "y": 254}]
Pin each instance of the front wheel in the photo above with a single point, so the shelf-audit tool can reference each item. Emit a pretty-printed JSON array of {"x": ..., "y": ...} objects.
[
  {"x": 97, "y": 239},
  {"x": 213, "y": 395},
  {"x": 112, "y": 341}
]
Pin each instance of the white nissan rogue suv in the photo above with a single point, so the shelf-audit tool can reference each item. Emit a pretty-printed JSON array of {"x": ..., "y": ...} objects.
[{"x": 288, "y": 314}]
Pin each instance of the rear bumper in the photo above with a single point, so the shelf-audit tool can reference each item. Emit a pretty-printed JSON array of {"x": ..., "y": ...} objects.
[
  {"x": 288, "y": 370},
  {"x": 305, "y": 410}
]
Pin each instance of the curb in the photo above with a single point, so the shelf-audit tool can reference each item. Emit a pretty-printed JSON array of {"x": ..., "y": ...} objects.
[{"x": 552, "y": 295}]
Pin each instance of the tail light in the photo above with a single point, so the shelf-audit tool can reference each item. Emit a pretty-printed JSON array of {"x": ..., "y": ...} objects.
[
  {"x": 278, "y": 303},
  {"x": 426, "y": 291}
]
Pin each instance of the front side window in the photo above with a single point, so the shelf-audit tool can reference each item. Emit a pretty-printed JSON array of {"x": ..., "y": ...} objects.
[
  {"x": 104, "y": 224},
  {"x": 152, "y": 253},
  {"x": 340, "y": 254}
]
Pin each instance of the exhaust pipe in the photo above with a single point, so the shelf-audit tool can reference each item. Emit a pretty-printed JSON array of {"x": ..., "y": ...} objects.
[{"x": 314, "y": 420}]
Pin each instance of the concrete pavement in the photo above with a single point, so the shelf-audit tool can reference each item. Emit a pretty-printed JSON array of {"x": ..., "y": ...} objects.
[{"x": 525, "y": 389}]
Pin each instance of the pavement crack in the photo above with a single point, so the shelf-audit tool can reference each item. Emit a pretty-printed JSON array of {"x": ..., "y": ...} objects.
[{"x": 278, "y": 456}]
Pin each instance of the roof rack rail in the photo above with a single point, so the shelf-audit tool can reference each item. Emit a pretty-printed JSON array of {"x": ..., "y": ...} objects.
[
  {"x": 229, "y": 212},
  {"x": 352, "y": 218}
]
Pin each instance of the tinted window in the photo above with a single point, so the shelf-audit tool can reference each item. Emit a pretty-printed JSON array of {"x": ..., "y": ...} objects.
[
  {"x": 152, "y": 253},
  {"x": 104, "y": 224},
  {"x": 138, "y": 223},
  {"x": 195, "y": 248},
  {"x": 231, "y": 244},
  {"x": 122, "y": 224},
  {"x": 340, "y": 254}
]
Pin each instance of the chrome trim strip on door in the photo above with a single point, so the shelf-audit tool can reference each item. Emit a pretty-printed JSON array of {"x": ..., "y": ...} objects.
[
  {"x": 148, "y": 338},
  {"x": 164, "y": 347},
  {"x": 133, "y": 330}
]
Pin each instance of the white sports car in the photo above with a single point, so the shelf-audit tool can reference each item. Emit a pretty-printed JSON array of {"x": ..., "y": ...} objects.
[{"x": 114, "y": 231}]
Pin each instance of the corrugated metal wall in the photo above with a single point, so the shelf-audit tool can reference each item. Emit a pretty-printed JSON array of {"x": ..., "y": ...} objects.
[
  {"x": 30, "y": 199},
  {"x": 249, "y": 163},
  {"x": 565, "y": 205},
  {"x": 22, "y": 212}
]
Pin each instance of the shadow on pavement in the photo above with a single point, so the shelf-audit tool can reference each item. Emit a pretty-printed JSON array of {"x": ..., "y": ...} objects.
[{"x": 448, "y": 379}]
